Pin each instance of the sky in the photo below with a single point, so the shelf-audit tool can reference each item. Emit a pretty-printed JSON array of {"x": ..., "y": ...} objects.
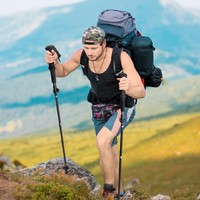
[
  {"x": 14, "y": 6},
  {"x": 23, "y": 5}
]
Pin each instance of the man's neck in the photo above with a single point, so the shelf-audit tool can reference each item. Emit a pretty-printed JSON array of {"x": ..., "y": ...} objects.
[{"x": 101, "y": 56}]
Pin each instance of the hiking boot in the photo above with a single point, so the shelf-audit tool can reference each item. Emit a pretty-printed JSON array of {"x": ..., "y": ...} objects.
[{"x": 109, "y": 192}]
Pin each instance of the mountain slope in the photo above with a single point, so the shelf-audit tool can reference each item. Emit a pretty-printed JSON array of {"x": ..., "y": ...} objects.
[
  {"x": 26, "y": 100},
  {"x": 163, "y": 154}
]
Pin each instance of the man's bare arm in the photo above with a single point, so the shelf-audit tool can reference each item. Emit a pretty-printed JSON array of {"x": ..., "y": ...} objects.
[{"x": 63, "y": 69}]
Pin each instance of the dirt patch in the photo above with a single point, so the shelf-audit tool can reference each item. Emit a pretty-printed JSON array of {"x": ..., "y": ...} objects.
[{"x": 7, "y": 186}]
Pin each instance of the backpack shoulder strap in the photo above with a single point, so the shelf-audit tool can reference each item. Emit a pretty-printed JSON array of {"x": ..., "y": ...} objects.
[
  {"x": 84, "y": 62},
  {"x": 116, "y": 60}
]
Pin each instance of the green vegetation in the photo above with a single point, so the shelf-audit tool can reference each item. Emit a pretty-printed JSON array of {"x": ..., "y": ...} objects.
[
  {"x": 162, "y": 153},
  {"x": 57, "y": 186}
]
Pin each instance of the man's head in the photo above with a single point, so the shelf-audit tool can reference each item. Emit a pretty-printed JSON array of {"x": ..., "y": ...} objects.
[{"x": 93, "y": 35}]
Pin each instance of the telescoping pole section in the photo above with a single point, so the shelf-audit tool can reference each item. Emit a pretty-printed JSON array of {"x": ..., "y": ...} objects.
[
  {"x": 123, "y": 97},
  {"x": 55, "y": 91}
]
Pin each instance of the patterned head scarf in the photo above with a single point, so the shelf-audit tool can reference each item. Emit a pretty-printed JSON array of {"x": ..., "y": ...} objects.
[{"x": 93, "y": 35}]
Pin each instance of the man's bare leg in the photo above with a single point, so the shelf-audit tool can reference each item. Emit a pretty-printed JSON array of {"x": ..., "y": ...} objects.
[
  {"x": 107, "y": 161},
  {"x": 109, "y": 154},
  {"x": 116, "y": 170}
]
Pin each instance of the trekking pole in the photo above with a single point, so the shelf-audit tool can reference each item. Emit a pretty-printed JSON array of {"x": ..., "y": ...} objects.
[
  {"x": 122, "y": 98},
  {"x": 55, "y": 91}
]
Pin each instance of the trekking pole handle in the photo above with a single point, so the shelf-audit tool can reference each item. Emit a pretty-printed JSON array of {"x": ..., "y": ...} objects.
[
  {"x": 52, "y": 47},
  {"x": 123, "y": 95},
  {"x": 51, "y": 65},
  {"x": 121, "y": 75}
]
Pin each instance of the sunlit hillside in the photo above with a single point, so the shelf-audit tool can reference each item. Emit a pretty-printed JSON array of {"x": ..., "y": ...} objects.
[{"x": 162, "y": 153}]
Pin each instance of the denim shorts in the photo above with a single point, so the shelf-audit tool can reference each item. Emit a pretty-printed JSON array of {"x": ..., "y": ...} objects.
[{"x": 129, "y": 114}]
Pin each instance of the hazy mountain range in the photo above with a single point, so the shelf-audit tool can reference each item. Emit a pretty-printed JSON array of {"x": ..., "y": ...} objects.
[{"x": 27, "y": 102}]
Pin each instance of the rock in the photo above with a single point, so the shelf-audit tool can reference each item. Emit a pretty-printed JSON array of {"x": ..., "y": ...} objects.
[
  {"x": 56, "y": 165},
  {"x": 127, "y": 196},
  {"x": 5, "y": 163},
  {"x": 96, "y": 189},
  {"x": 160, "y": 197},
  {"x": 130, "y": 185}
]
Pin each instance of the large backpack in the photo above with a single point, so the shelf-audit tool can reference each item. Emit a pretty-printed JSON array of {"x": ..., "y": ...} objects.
[{"x": 121, "y": 32}]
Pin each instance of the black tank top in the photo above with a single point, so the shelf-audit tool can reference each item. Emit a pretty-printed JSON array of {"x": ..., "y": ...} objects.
[{"x": 106, "y": 88}]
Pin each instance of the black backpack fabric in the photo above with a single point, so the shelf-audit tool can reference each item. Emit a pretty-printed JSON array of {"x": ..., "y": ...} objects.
[{"x": 121, "y": 32}]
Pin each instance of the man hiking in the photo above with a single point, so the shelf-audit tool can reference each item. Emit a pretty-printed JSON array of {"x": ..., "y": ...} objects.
[{"x": 104, "y": 97}]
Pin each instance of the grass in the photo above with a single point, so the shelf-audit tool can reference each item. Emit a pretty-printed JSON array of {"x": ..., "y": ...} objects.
[
  {"x": 162, "y": 153},
  {"x": 57, "y": 186}
]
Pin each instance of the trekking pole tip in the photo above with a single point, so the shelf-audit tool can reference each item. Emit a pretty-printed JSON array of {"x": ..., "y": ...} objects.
[{"x": 66, "y": 169}]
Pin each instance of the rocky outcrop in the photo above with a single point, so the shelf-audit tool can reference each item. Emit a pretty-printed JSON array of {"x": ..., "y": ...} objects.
[
  {"x": 160, "y": 197},
  {"x": 7, "y": 164},
  {"x": 56, "y": 165}
]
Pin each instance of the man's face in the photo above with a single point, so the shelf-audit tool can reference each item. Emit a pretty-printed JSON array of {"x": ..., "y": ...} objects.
[{"x": 93, "y": 52}]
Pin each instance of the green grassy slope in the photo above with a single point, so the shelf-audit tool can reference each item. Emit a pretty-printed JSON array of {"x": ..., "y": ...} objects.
[
  {"x": 164, "y": 154},
  {"x": 168, "y": 160}
]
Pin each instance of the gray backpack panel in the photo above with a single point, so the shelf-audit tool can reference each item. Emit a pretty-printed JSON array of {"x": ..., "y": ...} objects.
[{"x": 116, "y": 22}]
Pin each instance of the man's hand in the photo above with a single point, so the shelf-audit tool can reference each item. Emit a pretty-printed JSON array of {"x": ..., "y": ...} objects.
[
  {"x": 51, "y": 57},
  {"x": 124, "y": 84}
]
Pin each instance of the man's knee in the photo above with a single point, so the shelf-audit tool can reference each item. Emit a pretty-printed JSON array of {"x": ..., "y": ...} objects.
[
  {"x": 104, "y": 138},
  {"x": 102, "y": 142}
]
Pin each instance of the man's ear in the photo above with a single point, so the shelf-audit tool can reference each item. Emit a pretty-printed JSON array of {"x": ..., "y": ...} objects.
[{"x": 104, "y": 43}]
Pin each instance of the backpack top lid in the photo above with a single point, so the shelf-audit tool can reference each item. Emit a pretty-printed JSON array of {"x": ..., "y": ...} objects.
[{"x": 116, "y": 22}]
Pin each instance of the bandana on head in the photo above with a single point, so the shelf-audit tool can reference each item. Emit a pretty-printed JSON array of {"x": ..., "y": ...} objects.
[{"x": 93, "y": 35}]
